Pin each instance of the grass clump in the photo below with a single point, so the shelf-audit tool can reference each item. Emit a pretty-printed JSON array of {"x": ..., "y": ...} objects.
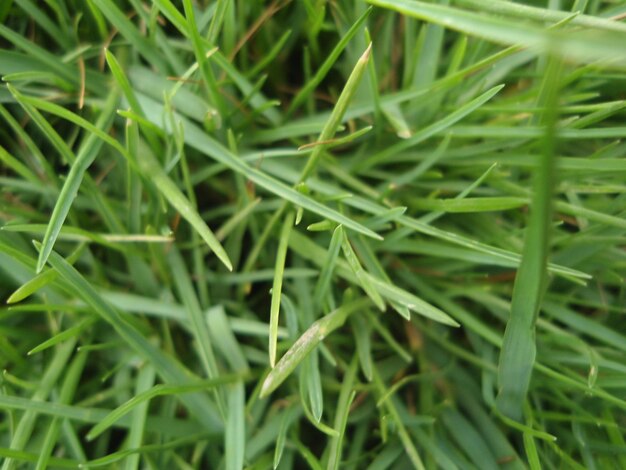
[{"x": 359, "y": 234}]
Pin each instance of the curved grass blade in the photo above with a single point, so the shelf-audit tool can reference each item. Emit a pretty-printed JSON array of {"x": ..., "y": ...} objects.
[
  {"x": 307, "y": 342},
  {"x": 282, "y": 436},
  {"x": 200, "y": 327},
  {"x": 145, "y": 380},
  {"x": 62, "y": 336},
  {"x": 407, "y": 442},
  {"x": 68, "y": 389},
  {"x": 201, "y": 59},
  {"x": 23, "y": 431},
  {"x": 156, "y": 391},
  {"x": 41, "y": 280}
]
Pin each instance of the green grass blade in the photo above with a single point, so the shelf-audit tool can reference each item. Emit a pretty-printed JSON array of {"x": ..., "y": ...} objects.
[
  {"x": 83, "y": 160},
  {"x": 518, "y": 347},
  {"x": 325, "y": 277},
  {"x": 306, "y": 343},
  {"x": 329, "y": 129},
  {"x": 431, "y": 130},
  {"x": 23, "y": 432},
  {"x": 198, "y": 139},
  {"x": 282, "y": 436},
  {"x": 200, "y": 328},
  {"x": 235, "y": 428},
  {"x": 346, "y": 397},
  {"x": 166, "y": 367},
  {"x": 68, "y": 389},
  {"x": 153, "y": 392},
  {"x": 484, "y": 204},
  {"x": 127, "y": 29},
  {"x": 153, "y": 171},
  {"x": 529, "y": 12},
  {"x": 315, "y": 80},
  {"x": 410, "y": 301},
  {"x": 582, "y": 46},
  {"x": 278, "y": 284},
  {"x": 364, "y": 281}
]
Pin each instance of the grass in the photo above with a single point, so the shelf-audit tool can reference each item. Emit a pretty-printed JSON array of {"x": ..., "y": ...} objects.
[{"x": 360, "y": 234}]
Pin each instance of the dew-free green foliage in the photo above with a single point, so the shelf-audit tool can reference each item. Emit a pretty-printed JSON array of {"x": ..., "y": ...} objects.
[{"x": 328, "y": 234}]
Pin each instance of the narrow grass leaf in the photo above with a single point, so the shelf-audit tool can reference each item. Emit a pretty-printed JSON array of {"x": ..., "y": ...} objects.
[
  {"x": 282, "y": 436},
  {"x": 430, "y": 130},
  {"x": 307, "y": 342},
  {"x": 346, "y": 397},
  {"x": 127, "y": 29},
  {"x": 64, "y": 335},
  {"x": 316, "y": 79},
  {"x": 336, "y": 116},
  {"x": 325, "y": 276},
  {"x": 586, "y": 46},
  {"x": 221, "y": 331},
  {"x": 529, "y": 12},
  {"x": 312, "y": 377},
  {"x": 412, "y": 302},
  {"x": 153, "y": 171},
  {"x": 361, "y": 275},
  {"x": 483, "y": 204},
  {"x": 518, "y": 346},
  {"x": 199, "y": 140},
  {"x": 156, "y": 391},
  {"x": 200, "y": 329},
  {"x": 70, "y": 188},
  {"x": 145, "y": 380},
  {"x": 42, "y": 279},
  {"x": 166, "y": 367},
  {"x": 235, "y": 428},
  {"x": 405, "y": 438},
  {"x": 66, "y": 394},
  {"x": 23, "y": 431},
  {"x": 362, "y": 334},
  {"x": 279, "y": 268}
]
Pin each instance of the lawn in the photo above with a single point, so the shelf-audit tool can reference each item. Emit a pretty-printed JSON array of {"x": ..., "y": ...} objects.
[{"x": 357, "y": 234}]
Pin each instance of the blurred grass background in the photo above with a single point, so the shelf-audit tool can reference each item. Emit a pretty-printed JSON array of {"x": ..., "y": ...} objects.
[{"x": 359, "y": 234}]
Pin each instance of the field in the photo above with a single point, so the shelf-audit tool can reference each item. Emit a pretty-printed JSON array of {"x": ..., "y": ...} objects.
[{"x": 360, "y": 234}]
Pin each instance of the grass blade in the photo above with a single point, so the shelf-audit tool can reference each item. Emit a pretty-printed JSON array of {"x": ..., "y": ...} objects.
[
  {"x": 518, "y": 346},
  {"x": 153, "y": 171},
  {"x": 328, "y": 63},
  {"x": 307, "y": 342},
  {"x": 278, "y": 284},
  {"x": 581, "y": 46},
  {"x": 235, "y": 428},
  {"x": 153, "y": 392},
  {"x": 166, "y": 367},
  {"x": 431, "y": 130}
]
